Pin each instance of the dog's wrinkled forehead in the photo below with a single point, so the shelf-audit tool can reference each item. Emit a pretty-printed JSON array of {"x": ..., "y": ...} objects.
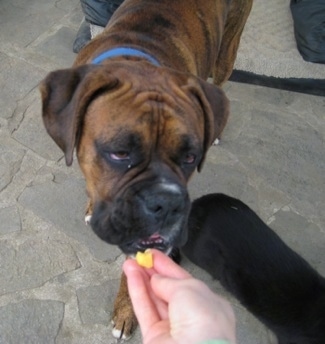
[
  {"x": 143, "y": 109},
  {"x": 145, "y": 125}
]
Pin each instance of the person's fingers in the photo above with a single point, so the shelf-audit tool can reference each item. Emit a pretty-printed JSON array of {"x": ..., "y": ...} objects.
[
  {"x": 165, "y": 266},
  {"x": 166, "y": 287},
  {"x": 144, "y": 307},
  {"x": 160, "y": 305}
]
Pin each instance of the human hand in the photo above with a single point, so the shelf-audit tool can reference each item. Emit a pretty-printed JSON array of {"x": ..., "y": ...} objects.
[{"x": 173, "y": 307}]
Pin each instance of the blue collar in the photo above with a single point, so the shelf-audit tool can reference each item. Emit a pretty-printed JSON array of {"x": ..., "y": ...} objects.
[{"x": 115, "y": 52}]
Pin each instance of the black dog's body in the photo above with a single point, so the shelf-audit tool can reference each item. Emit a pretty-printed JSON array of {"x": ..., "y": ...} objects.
[{"x": 228, "y": 240}]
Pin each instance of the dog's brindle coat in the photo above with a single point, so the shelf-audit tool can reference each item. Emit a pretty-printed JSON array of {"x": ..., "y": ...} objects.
[
  {"x": 139, "y": 129},
  {"x": 228, "y": 240}
]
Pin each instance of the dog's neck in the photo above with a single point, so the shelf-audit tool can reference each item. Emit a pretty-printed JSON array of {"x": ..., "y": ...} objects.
[{"x": 124, "y": 51}]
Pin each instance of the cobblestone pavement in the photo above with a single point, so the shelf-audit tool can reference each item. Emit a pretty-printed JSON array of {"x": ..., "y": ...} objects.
[{"x": 57, "y": 280}]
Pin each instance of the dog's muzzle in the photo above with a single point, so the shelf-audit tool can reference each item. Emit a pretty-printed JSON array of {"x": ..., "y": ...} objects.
[{"x": 145, "y": 216}]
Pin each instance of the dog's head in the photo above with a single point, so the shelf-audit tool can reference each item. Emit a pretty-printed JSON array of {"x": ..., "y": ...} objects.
[{"x": 140, "y": 131}]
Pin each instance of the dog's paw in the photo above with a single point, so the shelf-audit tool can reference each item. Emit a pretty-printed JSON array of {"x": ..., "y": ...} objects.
[
  {"x": 216, "y": 142},
  {"x": 87, "y": 219},
  {"x": 119, "y": 334},
  {"x": 89, "y": 212},
  {"x": 124, "y": 321}
]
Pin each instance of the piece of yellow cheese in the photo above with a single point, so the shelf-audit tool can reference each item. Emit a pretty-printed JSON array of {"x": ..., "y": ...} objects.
[{"x": 144, "y": 259}]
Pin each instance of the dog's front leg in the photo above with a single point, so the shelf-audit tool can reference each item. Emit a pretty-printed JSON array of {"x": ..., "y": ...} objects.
[
  {"x": 88, "y": 212},
  {"x": 124, "y": 319}
]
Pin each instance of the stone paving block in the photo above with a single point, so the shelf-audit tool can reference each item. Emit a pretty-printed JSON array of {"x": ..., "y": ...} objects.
[
  {"x": 96, "y": 302},
  {"x": 17, "y": 79},
  {"x": 10, "y": 161},
  {"x": 31, "y": 122},
  {"x": 310, "y": 109},
  {"x": 23, "y": 21},
  {"x": 9, "y": 220},
  {"x": 67, "y": 5},
  {"x": 217, "y": 177},
  {"x": 76, "y": 17},
  {"x": 58, "y": 46},
  {"x": 30, "y": 322},
  {"x": 33, "y": 262},
  {"x": 292, "y": 149},
  {"x": 260, "y": 96},
  {"x": 25, "y": 174},
  {"x": 63, "y": 204}
]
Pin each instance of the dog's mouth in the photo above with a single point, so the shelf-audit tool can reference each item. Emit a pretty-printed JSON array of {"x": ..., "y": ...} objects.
[{"x": 154, "y": 241}]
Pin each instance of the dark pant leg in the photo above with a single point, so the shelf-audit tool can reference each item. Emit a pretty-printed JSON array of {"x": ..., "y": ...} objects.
[{"x": 99, "y": 12}]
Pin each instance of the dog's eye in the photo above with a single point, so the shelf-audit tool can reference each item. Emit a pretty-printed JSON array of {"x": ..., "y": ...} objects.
[
  {"x": 120, "y": 156},
  {"x": 189, "y": 158}
]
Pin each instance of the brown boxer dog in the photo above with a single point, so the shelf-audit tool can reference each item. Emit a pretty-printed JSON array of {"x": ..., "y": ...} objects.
[{"x": 141, "y": 117}]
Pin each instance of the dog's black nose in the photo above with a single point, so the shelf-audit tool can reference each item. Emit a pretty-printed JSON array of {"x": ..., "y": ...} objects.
[{"x": 163, "y": 202}]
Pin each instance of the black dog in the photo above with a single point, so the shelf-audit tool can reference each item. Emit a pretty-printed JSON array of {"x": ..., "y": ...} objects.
[{"x": 229, "y": 241}]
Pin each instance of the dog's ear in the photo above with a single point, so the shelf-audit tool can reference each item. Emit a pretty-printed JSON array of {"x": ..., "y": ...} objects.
[
  {"x": 66, "y": 93},
  {"x": 215, "y": 107}
]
